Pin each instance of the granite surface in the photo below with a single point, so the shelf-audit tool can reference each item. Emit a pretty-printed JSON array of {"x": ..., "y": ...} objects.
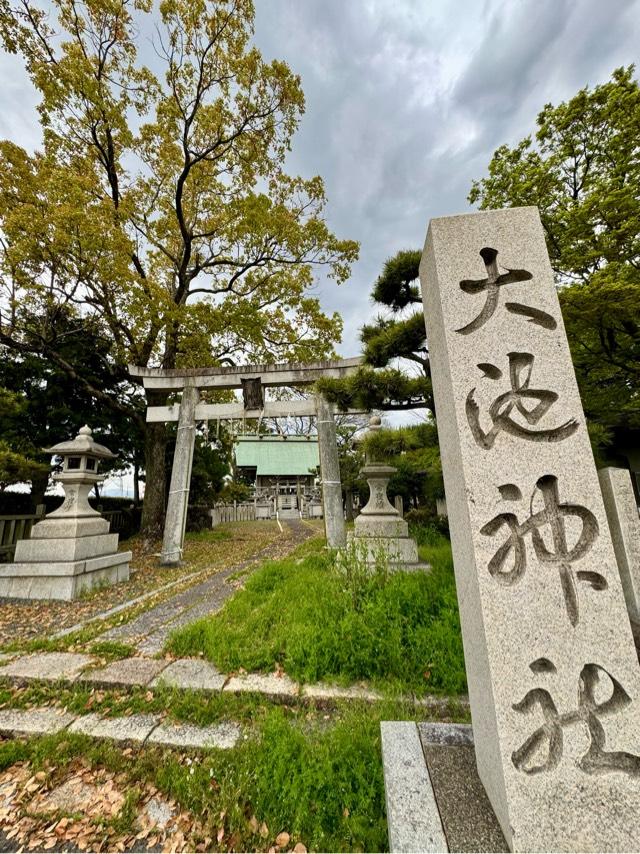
[
  {"x": 624, "y": 525},
  {"x": 545, "y": 628},
  {"x": 413, "y": 819},
  {"x": 48, "y": 666}
]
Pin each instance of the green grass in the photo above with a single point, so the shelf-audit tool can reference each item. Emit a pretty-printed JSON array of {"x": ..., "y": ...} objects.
[
  {"x": 320, "y": 781},
  {"x": 398, "y": 630}
]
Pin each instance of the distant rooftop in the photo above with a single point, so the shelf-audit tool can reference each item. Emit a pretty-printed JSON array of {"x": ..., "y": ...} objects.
[{"x": 274, "y": 455}]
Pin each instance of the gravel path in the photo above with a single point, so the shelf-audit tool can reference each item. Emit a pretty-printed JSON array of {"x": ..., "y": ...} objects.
[{"x": 149, "y": 631}]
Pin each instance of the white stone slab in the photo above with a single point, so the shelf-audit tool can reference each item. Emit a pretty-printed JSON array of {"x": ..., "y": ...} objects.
[
  {"x": 270, "y": 684},
  {"x": 413, "y": 819},
  {"x": 543, "y": 615},
  {"x": 127, "y": 671},
  {"x": 62, "y": 581},
  {"x": 48, "y": 666},
  {"x": 192, "y": 674},
  {"x": 223, "y": 736},
  {"x": 34, "y": 721},
  {"x": 82, "y": 526},
  {"x": 624, "y": 525},
  {"x": 134, "y": 728},
  {"x": 323, "y": 691},
  {"x": 65, "y": 549},
  {"x": 65, "y": 568}
]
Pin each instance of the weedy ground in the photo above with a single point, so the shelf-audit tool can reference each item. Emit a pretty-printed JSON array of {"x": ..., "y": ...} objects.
[
  {"x": 322, "y": 618},
  {"x": 303, "y": 776},
  {"x": 28, "y": 625}
]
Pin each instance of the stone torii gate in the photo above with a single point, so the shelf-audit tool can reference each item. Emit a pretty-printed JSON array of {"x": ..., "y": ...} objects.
[{"x": 251, "y": 379}]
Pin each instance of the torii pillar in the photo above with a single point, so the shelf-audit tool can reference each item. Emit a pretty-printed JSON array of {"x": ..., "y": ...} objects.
[
  {"x": 330, "y": 473},
  {"x": 176, "y": 517}
]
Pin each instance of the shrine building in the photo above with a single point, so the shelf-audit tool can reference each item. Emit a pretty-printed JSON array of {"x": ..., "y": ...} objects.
[{"x": 285, "y": 467}]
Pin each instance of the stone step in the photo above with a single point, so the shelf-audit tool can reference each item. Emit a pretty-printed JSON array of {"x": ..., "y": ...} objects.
[
  {"x": 136, "y": 729},
  {"x": 192, "y": 674}
]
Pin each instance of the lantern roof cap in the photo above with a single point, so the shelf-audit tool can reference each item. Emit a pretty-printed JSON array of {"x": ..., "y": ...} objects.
[{"x": 82, "y": 444}]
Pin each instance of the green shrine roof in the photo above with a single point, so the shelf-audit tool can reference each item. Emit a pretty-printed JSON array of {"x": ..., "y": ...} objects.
[{"x": 277, "y": 456}]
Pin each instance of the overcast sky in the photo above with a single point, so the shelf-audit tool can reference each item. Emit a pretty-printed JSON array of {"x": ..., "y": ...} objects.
[{"x": 406, "y": 100}]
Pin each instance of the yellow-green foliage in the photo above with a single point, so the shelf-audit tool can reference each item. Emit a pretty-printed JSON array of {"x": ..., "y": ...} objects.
[{"x": 157, "y": 184}]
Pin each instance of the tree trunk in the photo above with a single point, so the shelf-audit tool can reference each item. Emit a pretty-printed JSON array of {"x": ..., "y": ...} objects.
[
  {"x": 348, "y": 505},
  {"x": 155, "y": 446},
  {"x": 39, "y": 483},
  {"x": 136, "y": 484}
]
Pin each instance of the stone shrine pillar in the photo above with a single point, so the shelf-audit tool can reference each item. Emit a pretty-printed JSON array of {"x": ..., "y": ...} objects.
[
  {"x": 176, "y": 517},
  {"x": 330, "y": 474},
  {"x": 553, "y": 675},
  {"x": 71, "y": 550},
  {"x": 624, "y": 525},
  {"x": 379, "y": 528}
]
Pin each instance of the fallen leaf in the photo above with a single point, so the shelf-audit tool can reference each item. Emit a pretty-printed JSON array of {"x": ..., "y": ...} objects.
[
  {"x": 264, "y": 830},
  {"x": 253, "y": 824},
  {"x": 220, "y": 834}
]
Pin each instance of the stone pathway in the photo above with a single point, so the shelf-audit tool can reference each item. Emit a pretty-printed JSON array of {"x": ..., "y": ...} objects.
[
  {"x": 137, "y": 729},
  {"x": 148, "y": 632},
  {"x": 191, "y": 674}
]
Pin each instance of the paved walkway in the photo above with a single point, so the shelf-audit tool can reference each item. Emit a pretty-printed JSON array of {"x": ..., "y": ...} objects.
[
  {"x": 148, "y": 632},
  {"x": 138, "y": 729},
  {"x": 192, "y": 674}
]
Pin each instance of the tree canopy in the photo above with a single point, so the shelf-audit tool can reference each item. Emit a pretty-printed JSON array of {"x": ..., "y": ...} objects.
[
  {"x": 393, "y": 337},
  {"x": 159, "y": 205},
  {"x": 582, "y": 169},
  {"x": 415, "y": 452}
]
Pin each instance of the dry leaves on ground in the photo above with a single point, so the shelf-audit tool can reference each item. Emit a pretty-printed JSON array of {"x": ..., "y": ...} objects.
[
  {"x": 79, "y": 806},
  {"x": 26, "y": 620}
]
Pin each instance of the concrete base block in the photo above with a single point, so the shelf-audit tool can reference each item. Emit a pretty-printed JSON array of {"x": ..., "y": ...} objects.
[
  {"x": 400, "y": 552},
  {"x": 380, "y": 526},
  {"x": 413, "y": 818},
  {"x": 65, "y": 580},
  {"x": 435, "y": 800},
  {"x": 82, "y": 526},
  {"x": 56, "y": 549}
]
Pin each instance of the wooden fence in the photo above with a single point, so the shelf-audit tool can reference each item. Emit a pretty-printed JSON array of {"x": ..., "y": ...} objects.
[{"x": 14, "y": 528}]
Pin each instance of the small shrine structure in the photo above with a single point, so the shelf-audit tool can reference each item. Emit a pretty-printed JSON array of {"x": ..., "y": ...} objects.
[
  {"x": 379, "y": 528},
  {"x": 71, "y": 550},
  {"x": 281, "y": 469}
]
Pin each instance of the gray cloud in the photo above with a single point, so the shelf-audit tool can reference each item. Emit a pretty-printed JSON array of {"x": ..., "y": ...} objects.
[{"x": 407, "y": 100}]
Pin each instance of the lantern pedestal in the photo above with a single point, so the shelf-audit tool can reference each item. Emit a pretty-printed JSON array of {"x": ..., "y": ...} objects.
[
  {"x": 71, "y": 551},
  {"x": 379, "y": 530}
]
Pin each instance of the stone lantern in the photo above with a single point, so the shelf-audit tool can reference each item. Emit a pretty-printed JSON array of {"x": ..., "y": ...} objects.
[
  {"x": 71, "y": 550},
  {"x": 379, "y": 527}
]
